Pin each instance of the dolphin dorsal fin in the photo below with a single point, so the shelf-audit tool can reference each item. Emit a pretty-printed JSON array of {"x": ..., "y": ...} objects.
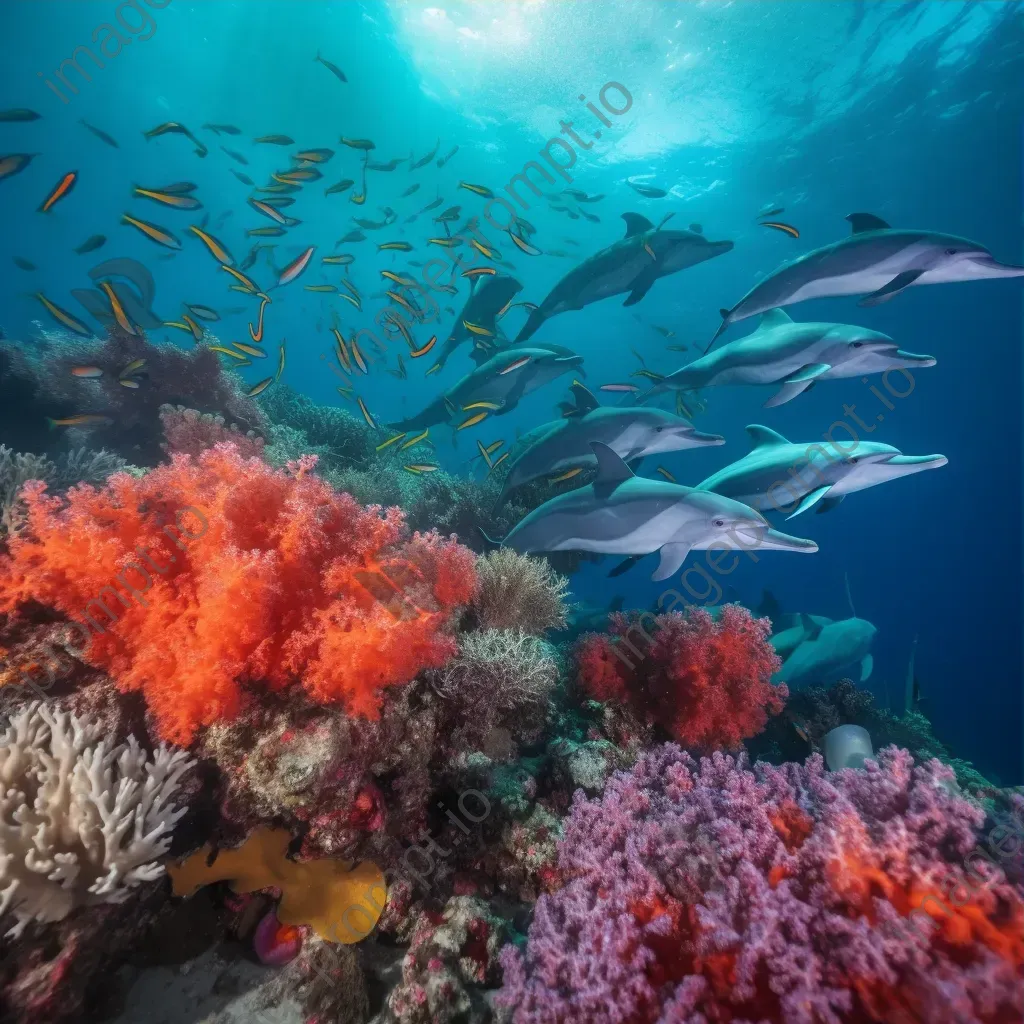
[
  {"x": 585, "y": 400},
  {"x": 761, "y": 437},
  {"x": 866, "y": 222},
  {"x": 774, "y": 318},
  {"x": 812, "y": 629},
  {"x": 611, "y": 470},
  {"x": 636, "y": 224}
]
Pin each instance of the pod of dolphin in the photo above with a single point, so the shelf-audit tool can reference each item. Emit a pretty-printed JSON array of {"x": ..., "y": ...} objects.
[{"x": 620, "y": 513}]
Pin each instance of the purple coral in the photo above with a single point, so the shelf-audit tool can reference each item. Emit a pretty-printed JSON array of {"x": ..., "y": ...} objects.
[{"x": 712, "y": 891}]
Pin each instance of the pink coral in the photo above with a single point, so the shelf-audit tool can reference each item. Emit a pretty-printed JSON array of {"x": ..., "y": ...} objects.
[
  {"x": 189, "y": 432},
  {"x": 714, "y": 892},
  {"x": 706, "y": 681}
]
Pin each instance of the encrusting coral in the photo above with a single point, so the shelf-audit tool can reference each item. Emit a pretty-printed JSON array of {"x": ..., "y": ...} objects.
[
  {"x": 339, "y": 900},
  {"x": 706, "y": 681},
  {"x": 449, "y": 951},
  {"x": 82, "y": 821},
  {"x": 713, "y": 891},
  {"x": 519, "y": 592},
  {"x": 259, "y": 576}
]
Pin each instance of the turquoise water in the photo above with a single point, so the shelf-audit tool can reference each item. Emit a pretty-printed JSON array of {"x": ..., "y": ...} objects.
[{"x": 910, "y": 111}]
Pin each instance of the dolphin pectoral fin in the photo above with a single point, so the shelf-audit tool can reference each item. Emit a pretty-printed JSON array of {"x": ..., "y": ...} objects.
[
  {"x": 672, "y": 558},
  {"x": 811, "y": 499},
  {"x": 867, "y": 666},
  {"x": 797, "y": 383},
  {"x": 827, "y": 504},
  {"x": 787, "y": 393},
  {"x": 866, "y": 222},
  {"x": 641, "y": 286},
  {"x": 624, "y": 566},
  {"x": 636, "y": 224},
  {"x": 808, "y": 372},
  {"x": 611, "y": 470},
  {"x": 892, "y": 289}
]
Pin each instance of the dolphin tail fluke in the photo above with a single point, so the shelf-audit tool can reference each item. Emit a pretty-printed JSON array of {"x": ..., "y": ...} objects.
[{"x": 721, "y": 329}]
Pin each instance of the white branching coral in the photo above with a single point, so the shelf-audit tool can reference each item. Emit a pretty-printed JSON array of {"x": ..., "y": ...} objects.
[{"x": 82, "y": 821}]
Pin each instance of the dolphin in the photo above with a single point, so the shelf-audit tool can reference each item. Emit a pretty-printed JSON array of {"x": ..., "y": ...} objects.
[
  {"x": 500, "y": 383},
  {"x": 794, "y": 357},
  {"x": 631, "y": 265},
  {"x": 488, "y": 296},
  {"x": 787, "y": 639},
  {"x": 776, "y": 474},
  {"x": 829, "y": 652},
  {"x": 622, "y": 514},
  {"x": 630, "y": 431},
  {"x": 876, "y": 261}
]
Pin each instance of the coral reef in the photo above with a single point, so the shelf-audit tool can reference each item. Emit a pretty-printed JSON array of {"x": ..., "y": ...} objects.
[
  {"x": 73, "y": 467},
  {"x": 82, "y": 821},
  {"x": 706, "y": 682},
  {"x": 189, "y": 432},
  {"x": 449, "y": 951},
  {"x": 519, "y": 592},
  {"x": 37, "y": 383},
  {"x": 282, "y": 580},
  {"x": 500, "y": 678},
  {"x": 714, "y": 891},
  {"x": 815, "y": 711}
]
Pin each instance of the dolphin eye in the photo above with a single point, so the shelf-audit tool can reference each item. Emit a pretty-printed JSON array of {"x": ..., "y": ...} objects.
[
  {"x": 719, "y": 523},
  {"x": 951, "y": 252},
  {"x": 658, "y": 430},
  {"x": 857, "y": 344}
]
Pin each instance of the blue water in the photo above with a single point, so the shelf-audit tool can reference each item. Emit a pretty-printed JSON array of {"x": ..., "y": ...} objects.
[{"x": 911, "y": 111}]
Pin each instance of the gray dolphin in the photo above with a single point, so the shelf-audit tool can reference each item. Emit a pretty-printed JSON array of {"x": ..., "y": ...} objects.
[
  {"x": 630, "y": 431},
  {"x": 793, "y": 356},
  {"x": 488, "y": 296},
  {"x": 777, "y": 474},
  {"x": 876, "y": 261},
  {"x": 621, "y": 514},
  {"x": 829, "y": 651},
  {"x": 500, "y": 382},
  {"x": 631, "y": 265}
]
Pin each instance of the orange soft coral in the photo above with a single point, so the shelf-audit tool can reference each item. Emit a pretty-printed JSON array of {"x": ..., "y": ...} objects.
[{"x": 213, "y": 573}]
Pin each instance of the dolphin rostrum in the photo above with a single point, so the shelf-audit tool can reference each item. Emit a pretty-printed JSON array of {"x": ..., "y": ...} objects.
[
  {"x": 793, "y": 356},
  {"x": 631, "y": 265},
  {"x": 499, "y": 384},
  {"x": 621, "y": 514},
  {"x": 778, "y": 474},
  {"x": 876, "y": 261},
  {"x": 488, "y": 296},
  {"x": 630, "y": 431},
  {"x": 828, "y": 651}
]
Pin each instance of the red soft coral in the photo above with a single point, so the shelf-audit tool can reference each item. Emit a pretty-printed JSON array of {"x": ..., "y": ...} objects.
[
  {"x": 706, "y": 681},
  {"x": 214, "y": 573}
]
